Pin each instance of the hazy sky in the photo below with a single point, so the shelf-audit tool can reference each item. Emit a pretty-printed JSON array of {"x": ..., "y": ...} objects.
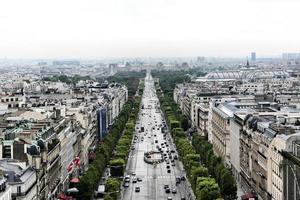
[{"x": 138, "y": 28}]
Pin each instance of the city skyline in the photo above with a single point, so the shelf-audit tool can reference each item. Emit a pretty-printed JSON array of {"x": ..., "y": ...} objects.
[{"x": 101, "y": 29}]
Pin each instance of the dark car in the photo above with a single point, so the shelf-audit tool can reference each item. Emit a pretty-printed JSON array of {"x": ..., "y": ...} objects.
[
  {"x": 125, "y": 184},
  {"x": 169, "y": 171},
  {"x": 183, "y": 178},
  {"x": 166, "y": 186},
  {"x": 137, "y": 189},
  {"x": 167, "y": 190}
]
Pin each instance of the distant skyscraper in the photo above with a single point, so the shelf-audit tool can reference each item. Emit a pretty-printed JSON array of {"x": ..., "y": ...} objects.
[{"x": 253, "y": 56}]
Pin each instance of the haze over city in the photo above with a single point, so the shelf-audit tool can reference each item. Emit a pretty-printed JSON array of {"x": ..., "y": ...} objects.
[
  {"x": 149, "y": 100},
  {"x": 142, "y": 28}
]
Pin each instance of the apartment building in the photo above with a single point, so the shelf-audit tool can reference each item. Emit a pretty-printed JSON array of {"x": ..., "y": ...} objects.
[
  {"x": 253, "y": 125},
  {"x": 5, "y": 189},
  {"x": 53, "y": 133},
  {"x": 290, "y": 171},
  {"x": 21, "y": 179}
]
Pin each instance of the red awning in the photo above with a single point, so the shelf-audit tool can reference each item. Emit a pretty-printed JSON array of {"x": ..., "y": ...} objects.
[
  {"x": 75, "y": 180},
  {"x": 62, "y": 196}
]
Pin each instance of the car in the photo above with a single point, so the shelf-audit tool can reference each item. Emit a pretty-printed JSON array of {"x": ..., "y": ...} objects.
[
  {"x": 172, "y": 151},
  {"x": 183, "y": 178},
  {"x": 168, "y": 162},
  {"x": 173, "y": 164},
  {"x": 174, "y": 191},
  {"x": 169, "y": 171},
  {"x": 125, "y": 184},
  {"x": 175, "y": 157},
  {"x": 170, "y": 157},
  {"x": 127, "y": 178},
  {"x": 133, "y": 173},
  {"x": 137, "y": 189},
  {"x": 134, "y": 180},
  {"x": 168, "y": 166},
  {"x": 139, "y": 179},
  {"x": 167, "y": 190},
  {"x": 132, "y": 148},
  {"x": 166, "y": 186},
  {"x": 156, "y": 141},
  {"x": 169, "y": 198},
  {"x": 182, "y": 198},
  {"x": 178, "y": 180}
]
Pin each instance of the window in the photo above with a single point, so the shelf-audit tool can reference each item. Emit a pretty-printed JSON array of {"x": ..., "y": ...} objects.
[
  {"x": 7, "y": 152},
  {"x": 19, "y": 190}
]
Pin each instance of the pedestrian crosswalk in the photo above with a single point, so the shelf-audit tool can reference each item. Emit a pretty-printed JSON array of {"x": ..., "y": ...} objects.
[{"x": 158, "y": 177}]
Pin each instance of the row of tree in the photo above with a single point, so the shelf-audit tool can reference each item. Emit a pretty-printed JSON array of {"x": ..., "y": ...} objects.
[
  {"x": 203, "y": 186},
  {"x": 66, "y": 79},
  {"x": 215, "y": 166},
  {"x": 204, "y": 181},
  {"x": 123, "y": 147},
  {"x": 105, "y": 152}
]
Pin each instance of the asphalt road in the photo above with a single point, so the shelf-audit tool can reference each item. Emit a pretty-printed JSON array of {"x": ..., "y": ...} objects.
[{"x": 153, "y": 177}]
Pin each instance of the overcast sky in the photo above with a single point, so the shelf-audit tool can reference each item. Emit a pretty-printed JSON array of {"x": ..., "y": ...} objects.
[{"x": 142, "y": 28}]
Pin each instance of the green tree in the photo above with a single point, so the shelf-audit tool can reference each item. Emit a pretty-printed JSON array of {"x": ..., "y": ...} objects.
[
  {"x": 184, "y": 122},
  {"x": 206, "y": 189},
  {"x": 198, "y": 172}
]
